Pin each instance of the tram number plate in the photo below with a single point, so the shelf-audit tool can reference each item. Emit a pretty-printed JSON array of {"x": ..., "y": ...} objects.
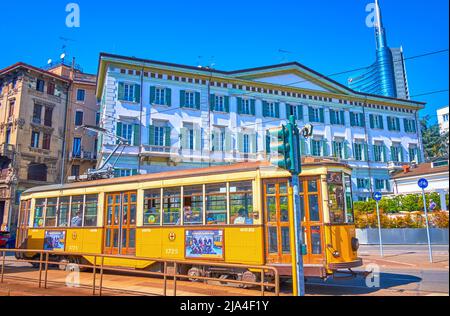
[{"x": 171, "y": 251}]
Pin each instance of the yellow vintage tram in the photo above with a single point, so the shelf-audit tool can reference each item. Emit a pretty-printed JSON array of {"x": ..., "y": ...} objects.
[{"x": 237, "y": 214}]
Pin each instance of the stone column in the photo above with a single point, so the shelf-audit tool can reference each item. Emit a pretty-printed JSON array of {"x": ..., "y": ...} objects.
[{"x": 442, "y": 194}]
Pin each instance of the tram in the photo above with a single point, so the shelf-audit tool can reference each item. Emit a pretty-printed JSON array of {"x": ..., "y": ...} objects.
[{"x": 235, "y": 214}]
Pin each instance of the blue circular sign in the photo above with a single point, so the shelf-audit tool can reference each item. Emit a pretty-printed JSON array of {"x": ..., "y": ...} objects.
[
  {"x": 377, "y": 196},
  {"x": 423, "y": 183}
]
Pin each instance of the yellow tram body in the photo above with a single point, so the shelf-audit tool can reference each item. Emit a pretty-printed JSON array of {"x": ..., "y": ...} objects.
[{"x": 243, "y": 213}]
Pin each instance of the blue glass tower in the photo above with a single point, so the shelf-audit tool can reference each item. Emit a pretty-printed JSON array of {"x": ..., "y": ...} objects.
[{"x": 380, "y": 77}]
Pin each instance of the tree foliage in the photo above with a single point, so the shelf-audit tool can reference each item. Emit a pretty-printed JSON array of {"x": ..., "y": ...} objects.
[{"x": 435, "y": 144}]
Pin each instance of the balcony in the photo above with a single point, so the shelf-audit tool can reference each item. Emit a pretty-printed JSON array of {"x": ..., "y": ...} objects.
[
  {"x": 7, "y": 150},
  {"x": 83, "y": 155},
  {"x": 156, "y": 151}
]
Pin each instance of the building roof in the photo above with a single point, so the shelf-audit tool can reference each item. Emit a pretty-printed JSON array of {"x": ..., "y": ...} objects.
[
  {"x": 27, "y": 66},
  {"x": 421, "y": 170},
  {"x": 241, "y": 72}
]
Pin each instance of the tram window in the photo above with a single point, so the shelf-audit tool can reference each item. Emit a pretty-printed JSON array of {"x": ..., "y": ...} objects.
[
  {"x": 271, "y": 188},
  {"x": 314, "y": 215},
  {"x": 171, "y": 206},
  {"x": 272, "y": 208},
  {"x": 132, "y": 240},
  {"x": 312, "y": 186},
  {"x": 64, "y": 206},
  {"x": 273, "y": 241},
  {"x": 349, "y": 200},
  {"x": 284, "y": 210},
  {"x": 77, "y": 211},
  {"x": 285, "y": 240},
  {"x": 316, "y": 242},
  {"x": 336, "y": 196},
  {"x": 302, "y": 208},
  {"x": 216, "y": 204},
  {"x": 50, "y": 212},
  {"x": 241, "y": 203},
  {"x": 193, "y": 205},
  {"x": 90, "y": 213},
  {"x": 152, "y": 207},
  {"x": 38, "y": 220}
]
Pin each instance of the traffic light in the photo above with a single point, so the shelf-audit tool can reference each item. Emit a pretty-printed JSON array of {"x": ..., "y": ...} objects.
[
  {"x": 285, "y": 147},
  {"x": 280, "y": 147}
]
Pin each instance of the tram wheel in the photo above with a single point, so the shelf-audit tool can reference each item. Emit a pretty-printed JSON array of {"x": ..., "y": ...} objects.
[
  {"x": 248, "y": 276},
  {"x": 194, "y": 272}
]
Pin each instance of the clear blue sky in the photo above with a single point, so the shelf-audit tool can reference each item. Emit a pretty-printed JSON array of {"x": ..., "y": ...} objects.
[{"x": 327, "y": 35}]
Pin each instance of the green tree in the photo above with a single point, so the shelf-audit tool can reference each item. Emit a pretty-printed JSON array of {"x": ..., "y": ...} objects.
[{"x": 435, "y": 144}]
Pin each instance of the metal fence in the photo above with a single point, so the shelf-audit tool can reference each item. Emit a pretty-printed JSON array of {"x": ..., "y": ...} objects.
[
  {"x": 402, "y": 236},
  {"x": 174, "y": 274}
]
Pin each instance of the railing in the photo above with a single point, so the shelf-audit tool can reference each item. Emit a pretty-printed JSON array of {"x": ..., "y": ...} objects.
[
  {"x": 175, "y": 275},
  {"x": 84, "y": 155}
]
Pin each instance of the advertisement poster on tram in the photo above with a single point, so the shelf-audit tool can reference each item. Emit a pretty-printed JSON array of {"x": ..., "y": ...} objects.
[
  {"x": 55, "y": 240},
  {"x": 204, "y": 244}
]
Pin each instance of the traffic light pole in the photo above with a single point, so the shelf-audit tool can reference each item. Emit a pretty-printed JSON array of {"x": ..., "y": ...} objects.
[
  {"x": 294, "y": 140},
  {"x": 300, "y": 275}
]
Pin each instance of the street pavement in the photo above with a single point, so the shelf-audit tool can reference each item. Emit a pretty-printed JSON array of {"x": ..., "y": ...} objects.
[{"x": 404, "y": 270}]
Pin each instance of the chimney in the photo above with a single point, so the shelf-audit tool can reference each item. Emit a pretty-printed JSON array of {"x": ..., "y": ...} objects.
[{"x": 406, "y": 168}]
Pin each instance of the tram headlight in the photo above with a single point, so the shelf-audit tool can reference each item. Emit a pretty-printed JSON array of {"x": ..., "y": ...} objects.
[
  {"x": 336, "y": 254},
  {"x": 355, "y": 244}
]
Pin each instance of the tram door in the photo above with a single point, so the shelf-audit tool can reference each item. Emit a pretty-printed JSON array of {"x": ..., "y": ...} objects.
[
  {"x": 312, "y": 218},
  {"x": 120, "y": 223},
  {"x": 278, "y": 248},
  {"x": 23, "y": 223}
]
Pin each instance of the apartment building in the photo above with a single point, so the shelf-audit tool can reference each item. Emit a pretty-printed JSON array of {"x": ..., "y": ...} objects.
[
  {"x": 178, "y": 116},
  {"x": 443, "y": 119},
  {"x": 83, "y": 109},
  {"x": 33, "y": 104}
]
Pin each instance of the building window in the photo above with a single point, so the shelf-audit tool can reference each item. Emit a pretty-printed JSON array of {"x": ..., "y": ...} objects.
[
  {"x": 76, "y": 147},
  {"x": 35, "y": 139},
  {"x": 316, "y": 115},
  {"x": 358, "y": 151},
  {"x": 246, "y": 107},
  {"x": 51, "y": 88},
  {"x": 8, "y": 136},
  {"x": 159, "y": 135},
  {"x": 75, "y": 172},
  {"x": 160, "y": 96},
  {"x": 379, "y": 184},
  {"x": 46, "y": 141},
  {"x": 337, "y": 117},
  {"x": 338, "y": 149},
  {"x": 362, "y": 183},
  {"x": 37, "y": 112},
  {"x": 48, "y": 117},
  {"x": 129, "y": 92},
  {"x": 219, "y": 103},
  {"x": 376, "y": 121},
  {"x": 126, "y": 131},
  {"x": 393, "y": 123},
  {"x": 79, "y": 118},
  {"x": 316, "y": 147},
  {"x": 396, "y": 153},
  {"x": 294, "y": 110},
  {"x": 11, "y": 109},
  {"x": 410, "y": 126},
  {"x": 189, "y": 100},
  {"x": 40, "y": 84},
  {"x": 357, "y": 119},
  {"x": 37, "y": 172},
  {"x": 445, "y": 117},
  {"x": 246, "y": 141},
  {"x": 413, "y": 154},
  {"x": 378, "y": 152},
  {"x": 271, "y": 109},
  {"x": 81, "y": 95}
]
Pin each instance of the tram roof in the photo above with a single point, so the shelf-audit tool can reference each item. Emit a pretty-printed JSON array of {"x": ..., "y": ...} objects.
[{"x": 180, "y": 173}]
